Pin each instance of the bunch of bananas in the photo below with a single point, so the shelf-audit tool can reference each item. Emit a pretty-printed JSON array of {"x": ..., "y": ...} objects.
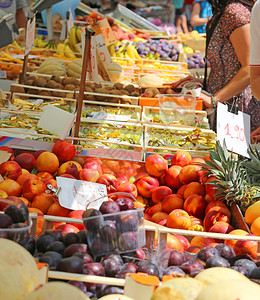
[
  {"x": 40, "y": 43},
  {"x": 74, "y": 38},
  {"x": 125, "y": 50}
]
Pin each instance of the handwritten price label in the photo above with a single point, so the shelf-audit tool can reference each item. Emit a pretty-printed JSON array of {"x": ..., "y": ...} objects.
[
  {"x": 92, "y": 68},
  {"x": 235, "y": 129},
  {"x": 102, "y": 50},
  {"x": 107, "y": 32},
  {"x": 30, "y": 34},
  {"x": 70, "y": 23}
]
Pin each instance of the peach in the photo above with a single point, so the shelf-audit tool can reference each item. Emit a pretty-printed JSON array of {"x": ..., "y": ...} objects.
[
  {"x": 174, "y": 243},
  {"x": 78, "y": 165},
  {"x": 67, "y": 176},
  {"x": 221, "y": 227},
  {"x": 246, "y": 248},
  {"x": 231, "y": 243},
  {"x": 26, "y": 161},
  {"x": 110, "y": 181},
  {"x": 10, "y": 170},
  {"x": 106, "y": 170},
  {"x": 26, "y": 201},
  {"x": 159, "y": 216},
  {"x": 255, "y": 226},
  {"x": 252, "y": 212},
  {"x": 51, "y": 181},
  {"x": 197, "y": 160},
  {"x": 11, "y": 187},
  {"x": 47, "y": 162},
  {"x": 195, "y": 221},
  {"x": 160, "y": 193},
  {"x": 24, "y": 171},
  {"x": 76, "y": 214},
  {"x": 156, "y": 165},
  {"x": 79, "y": 160},
  {"x": 189, "y": 174},
  {"x": 178, "y": 219},
  {"x": 195, "y": 205},
  {"x": 162, "y": 222},
  {"x": 181, "y": 190},
  {"x": 68, "y": 168},
  {"x": 210, "y": 188},
  {"x": 194, "y": 188},
  {"x": 3, "y": 194},
  {"x": 143, "y": 201},
  {"x": 214, "y": 216},
  {"x": 33, "y": 187},
  {"x": 64, "y": 151},
  {"x": 57, "y": 210},
  {"x": 181, "y": 158},
  {"x": 35, "y": 210},
  {"x": 155, "y": 208},
  {"x": 208, "y": 199},
  {"x": 88, "y": 175},
  {"x": 147, "y": 217},
  {"x": 40, "y": 219},
  {"x": 201, "y": 242},
  {"x": 9, "y": 150},
  {"x": 37, "y": 153},
  {"x": 218, "y": 206},
  {"x": 44, "y": 176},
  {"x": 22, "y": 178},
  {"x": 43, "y": 201},
  {"x": 193, "y": 249},
  {"x": 129, "y": 170},
  {"x": 67, "y": 228},
  {"x": 128, "y": 187},
  {"x": 162, "y": 179},
  {"x": 93, "y": 165},
  {"x": 172, "y": 177},
  {"x": 114, "y": 165},
  {"x": 171, "y": 203},
  {"x": 122, "y": 178},
  {"x": 185, "y": 242},
  {"x": 146, "y": 185}
]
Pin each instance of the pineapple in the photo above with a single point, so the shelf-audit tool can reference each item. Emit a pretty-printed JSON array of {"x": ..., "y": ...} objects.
[{"x": 233, "y": 177}]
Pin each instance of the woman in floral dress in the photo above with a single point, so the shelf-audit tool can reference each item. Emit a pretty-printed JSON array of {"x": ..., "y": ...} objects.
[{"x": 228, "y": 47}]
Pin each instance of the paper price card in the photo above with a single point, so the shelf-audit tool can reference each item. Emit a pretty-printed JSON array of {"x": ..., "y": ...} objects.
[
  {"x": 30, "y": 34},
  {"x": 77, "y": 194},
  {"x": 102, "y": 50},
  {"x": 70, "y": 23},
  {"x": 235, "y": 129},
  {"x": 107, "y": 32},
  {"x": 92, "y": 68}
]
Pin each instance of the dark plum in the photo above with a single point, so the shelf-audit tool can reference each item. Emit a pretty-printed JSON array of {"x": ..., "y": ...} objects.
[
  {"x": 79, "y": 284},
  {"x": 225, "y": 251},
  {"x": 56, "y": 246},
  {"x": 111, "y": 266},
  {"x": 174, "y": 271},
  {"x": 70, "y": 238},
  {"x": 15, "y": 214},
  {"x": 55, "y": 256},
  {"x": 131, "y": 256},
  {"x": 108, "y": 231},
  {"x": 217, "y": 261},
  {"x": 207, "y": 252},
  {"x": 82, "y": 236},
  {"x": 125, "y": 204},
  {"x": 115, "y": 257},
  {"x": 128, "y": 241},
  {"x": 5, "y": 221},
  {"x": 193, "y": 273},
  {"x": 98, "y": 247},
  {"x": 92, "y": 224},
  {"x": 109, "y": 207},
  {"x": 91, "y": 287},
  {"x": 148, "y": 268},
  {"x": 192, "y": 265},
  {"x": 100, "y": 290},
  {"x": 129, "y": 267},
  {"x": 86, "y": 257},
  {"x": 127, "y": 223},
  {"x": 255, "y": 273},
  {"x": 74, "y": 248},
  {"x": 176, "y": 258},
  {"x": 57, "y": 234},
  {"x": 249, "y": 265},
  {"x": 241, "y": 270},
  {"x": 29, "y": 244},
  {"x": 96, "y": 268},
  {"x": 113, "y": 290},
  {"x": 71, "y": 264},
  {"x": 233, "y": 260},
  {"x": 43, "y": 242},
  {"x": 48, "y": 260}
]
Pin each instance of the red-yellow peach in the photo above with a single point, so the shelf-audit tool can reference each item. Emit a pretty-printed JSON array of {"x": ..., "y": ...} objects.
[
  {"x": 158, "y": 216},
  {"x": 3, "y": 194},
  {"x": 44, "y": 176},
  {"x": 214, "y": 216},
  {"x": 195, "y": 205},
  {"x": 172, "y": 177},
  {"x": 247, "y": 248},
  {"x": 185, "y": 242},
  {"x": 146, "y": 185},
  {"x": 26, "y": 161},
  {"x": 67, "y": 228},
  {"x": 190, "y": 173},
  {"x": 181, "y": 190},
  {"x": 160, "y": 194},
  {"x": 181, "y": 158},
  {"x": 195, "y": 221},
  {"x": 68, "y": 168},
  {"x": 57, "y": 210},
  {"x": 197, "y": 160},
  {"x": 88, "y": 175},
  {"x": 178, "y": 219},
  {"x": 221, "y": 227},
  {"x": 193, "y": 249},
  {"x": 154, "y": 209},
  {"x": 64, "y": 151},
  {"x": 232, "y": 243},
  {"x": 43, "y": 202},
  {"x": 51, "y": 181},
  {"x": 194, "y": 188},
  {"x": 10, "y": 170},
  {"x": 156, "y": 165},
  {"x": 128, "y": 187},
  {"x": 110, "y": 181},
  {"x": 94, "y": 164},
  {"x": 11, "y": 187},
  {"x": 201, "y": 242},
  {"x": 218, "y": 206},
  {"x": 172, "y": 202},
  {"x": 173, "y": 243},
  {"x": 22, "y": 178},
  {"x": 33, "y": 187},
  {"x": 76, "y": 214},
  {"x": 47, "y": 162}
]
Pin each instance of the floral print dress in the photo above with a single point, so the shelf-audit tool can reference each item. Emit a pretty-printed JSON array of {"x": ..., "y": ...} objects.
[{"x": 224, "y": 62}]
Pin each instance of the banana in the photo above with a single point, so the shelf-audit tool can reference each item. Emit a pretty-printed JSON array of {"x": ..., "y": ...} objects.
[
  {"x": 68, "y": 52},
  {"x": 78, "y": 34},
  {"x": 130, "y": 60},
  {"x": 73, "y": 39},
  {"x": 112, "y": 51},
  {"x": 61, "y": 47}
]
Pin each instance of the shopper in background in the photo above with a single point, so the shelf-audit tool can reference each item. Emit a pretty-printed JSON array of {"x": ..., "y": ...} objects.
[
  {"x": 227, "y": 49},
  {"x": 188, "y": 4},
  {"x": 180, "y": 18},
  {"x": 201, "y": 14},
  {"x": 255, "y": 62},
  {"x": 15, "y": 7}
]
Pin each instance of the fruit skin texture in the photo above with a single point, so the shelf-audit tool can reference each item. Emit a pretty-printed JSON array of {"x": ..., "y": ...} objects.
[
  {"x": 195, "y": 205},
  {"x": 43, "y": 202},
  {"x": 218, "y": 206},
  {"x": 178, "y": 219},
  {"x": 172, "y": 202},
  {"x": 57, "y": 210},
  {"x": 31, "y": 188},
  {"x": 146, "y": 185},
  {"x": 160, "y": 194},
  {"x": 252, "y": 212},
  {"x": 10, "y": 170},
  {"x": 214, "y": 216},
  {"x": 47, "y": 162},
  {"x": 128, "y": 187},
  {"x": 22, "y": 178},
  {"x": 110, "y": 181},
  {"x": 181, "y": 158},
  {"x": 172, "y": 179},
  {"x": 156, "y": 165},
  {"x": 255, "y": 227},
  {"x": 246, "y": 247},
  {"x": 64, "y": 151},
  {"x": 88, "y": 175},
  {"x": 26, "y": 161},
  {"x": 190, "y": 173},
  {"x": 194, "y": 188},
  {"x": 221, "y": 227},
  {"x": 11, "y": 187},
  {"x": 232, "y": 243}
]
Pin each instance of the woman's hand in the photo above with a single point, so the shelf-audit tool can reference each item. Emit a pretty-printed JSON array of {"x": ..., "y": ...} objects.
[
  {"x": 255, "y": 136},
  {"x": 180, "y": 83},
  {"x": 207, "y": 101}
]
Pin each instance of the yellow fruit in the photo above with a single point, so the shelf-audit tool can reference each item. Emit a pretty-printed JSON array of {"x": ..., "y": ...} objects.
[
  {"x": 252, "y": 212},
  {"x": 255, "y": 227}
]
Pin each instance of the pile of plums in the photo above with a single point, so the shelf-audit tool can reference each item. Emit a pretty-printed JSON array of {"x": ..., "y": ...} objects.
[
  {"x": 195, "y": 62},
  {"x": 114, "y": 227}
]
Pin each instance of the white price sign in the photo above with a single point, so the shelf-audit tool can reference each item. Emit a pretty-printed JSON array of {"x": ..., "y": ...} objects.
[
  {"x": 70, "y": 23},
  {"x": 92, "y": 68},
  {"x": 102, "y": 50},
  {"x": 235, "y": 129},
  {"x": 78, "y": 194},
  {"x": 30, "y": 34}
]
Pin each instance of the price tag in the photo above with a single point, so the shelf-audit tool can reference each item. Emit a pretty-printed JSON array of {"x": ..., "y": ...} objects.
[
  {"x": 107, "y": 32},
  {"x": 102, "y": 50},
  {"x": 3, "y": 74},
  {"x": 92, "y": 68},
  {"x": 70, "y": 22},
  {"x": 235, "y": 129},
  {"x": 30, "y": 34},
  {"x": 77, "y": 194}
]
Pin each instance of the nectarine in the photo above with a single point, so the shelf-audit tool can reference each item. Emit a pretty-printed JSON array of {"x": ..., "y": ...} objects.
[
  {"x": 181, "y": 158},
  {"x": 26, "y": 161},
  {"x": 160, "y": 193},
  {"x": 43, "y": 202},
  {"x": 11, "y": 187},
  {"x": 32, "y": 187},
  {"x": 171, "y": 203},
  {"x": 195, "y": 205},
  {"x": 194, "y": 188},
  {"x": 64, "y": 151},
  {"x": 47, "y": 162},
  {"x": 156, "y": 165},
  {"x": 172, "y": 179},
  {"x": 10, "y": 170},
  {"x": 178, "y": 219}
]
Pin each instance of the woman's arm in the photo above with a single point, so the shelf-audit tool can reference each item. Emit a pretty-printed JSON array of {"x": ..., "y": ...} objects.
[
  {"x": 255, "y": 81},
  {"x": 195, "y": 16}
]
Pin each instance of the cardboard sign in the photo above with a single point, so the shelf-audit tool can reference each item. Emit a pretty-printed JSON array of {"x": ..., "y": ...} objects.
[
  {"x": 70, "y": 22},
  {"x": 235, "y": 129},
  {"x": 56, "y": 121},
  {"x": 78, "y": 194},
  {"x": 106, "y": 31},
  {"x": 30, "y": 34},
  {"x": 102, "y": 50}
]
